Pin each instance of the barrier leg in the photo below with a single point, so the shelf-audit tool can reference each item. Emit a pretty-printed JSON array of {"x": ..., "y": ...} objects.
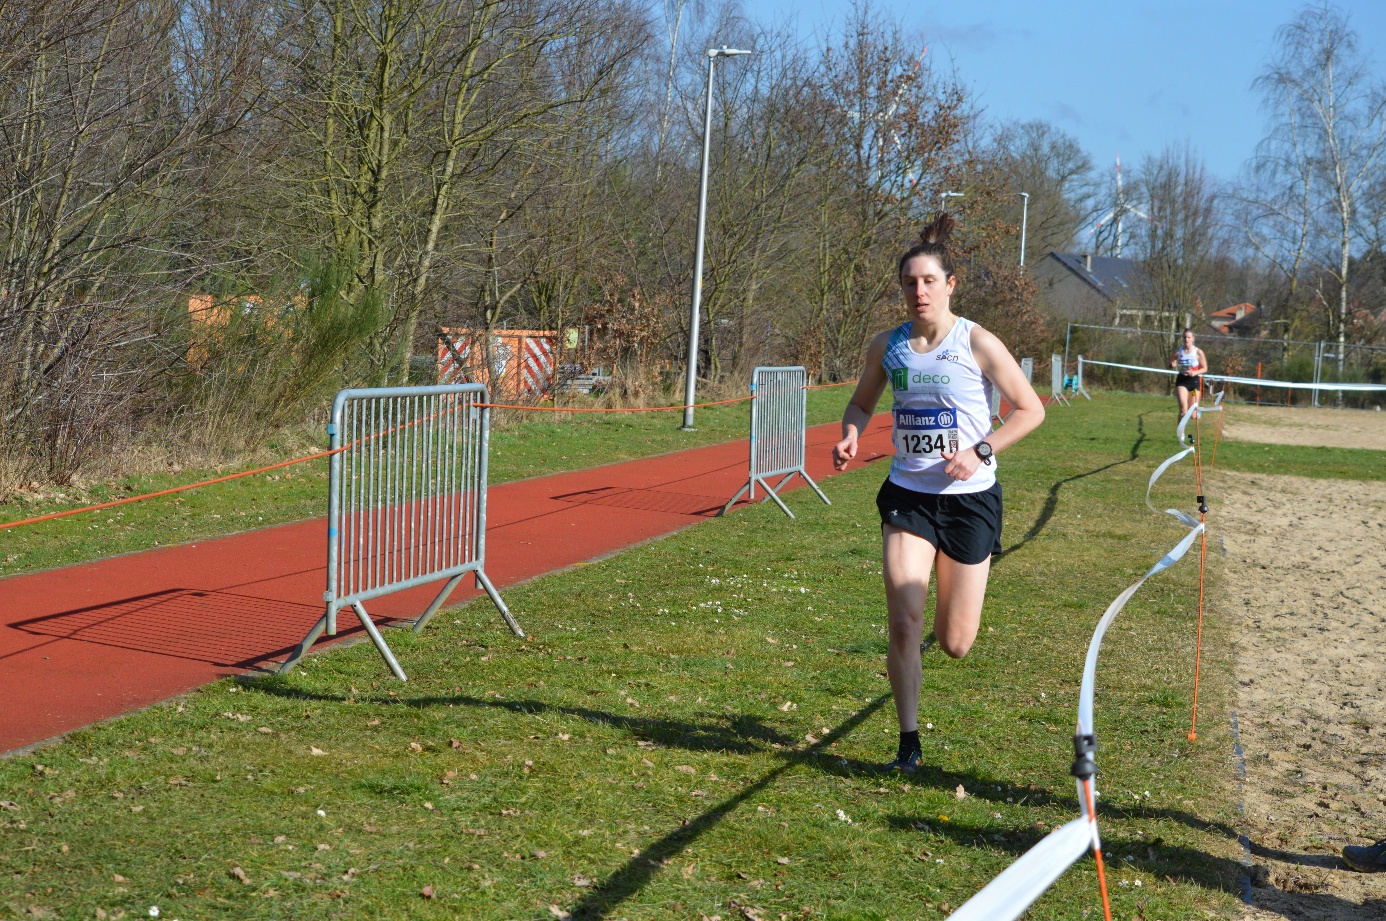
[
  {"x": 783, "y": 480},
  {"x": 510, "y": 621},
  {"x": 302, "y": 648},
  {"x": 427, "y": 615},
  {"x": 732, "y": 501},
  {"x": 814, "y": 486},
  {"x": 378, "y": 640},
  {"x": 770, "y": 494}
]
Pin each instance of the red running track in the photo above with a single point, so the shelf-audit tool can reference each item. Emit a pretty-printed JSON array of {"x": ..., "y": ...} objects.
[{"x": 92, "y": 641}]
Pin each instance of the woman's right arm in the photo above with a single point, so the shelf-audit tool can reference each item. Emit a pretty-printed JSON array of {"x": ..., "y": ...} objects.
[{"x": 857, "y": 415}]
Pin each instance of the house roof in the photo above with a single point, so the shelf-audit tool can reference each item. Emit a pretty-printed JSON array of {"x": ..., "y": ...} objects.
[
  {"x": 1235, "y": 312},
  {"x": 1111, "y": 277}
]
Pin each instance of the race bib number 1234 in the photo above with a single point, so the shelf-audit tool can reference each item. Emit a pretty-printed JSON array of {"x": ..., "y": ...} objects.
[{"x": 926, "y": 432}]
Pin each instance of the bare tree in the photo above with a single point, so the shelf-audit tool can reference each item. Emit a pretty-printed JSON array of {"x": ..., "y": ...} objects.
[
  {"x": 1329, "y": 126},
  {"x": 104, "y": 108},
  {"x": 1180, "y": 241}
]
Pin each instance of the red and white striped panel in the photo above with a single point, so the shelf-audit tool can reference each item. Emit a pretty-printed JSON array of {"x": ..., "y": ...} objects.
[
  {"x": 448, "y": 372},
  {"x": 538, "y": 364}
]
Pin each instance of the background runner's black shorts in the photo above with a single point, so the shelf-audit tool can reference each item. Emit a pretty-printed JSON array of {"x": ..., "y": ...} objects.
[
  {"x": 1189, "y": 382},
  {"x": 966, "y": 526}
]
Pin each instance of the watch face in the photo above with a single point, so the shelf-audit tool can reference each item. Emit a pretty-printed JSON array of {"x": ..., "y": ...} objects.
[{"x": 983, "y": 450}]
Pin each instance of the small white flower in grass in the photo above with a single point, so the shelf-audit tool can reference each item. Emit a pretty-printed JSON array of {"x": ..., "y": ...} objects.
[
  {"x": 322, "y": 813},
  {"x": 153, "y": 911},
  {"x": 843, "y": 817}
]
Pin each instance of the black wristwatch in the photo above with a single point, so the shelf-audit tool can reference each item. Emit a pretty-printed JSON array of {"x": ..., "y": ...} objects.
[{"x": 983, "y": 451}]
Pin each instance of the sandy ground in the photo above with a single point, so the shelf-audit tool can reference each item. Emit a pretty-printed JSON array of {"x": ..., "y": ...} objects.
[
  {"x": 1322, "y": 427},
  {"x": 1305, "y": 583}
]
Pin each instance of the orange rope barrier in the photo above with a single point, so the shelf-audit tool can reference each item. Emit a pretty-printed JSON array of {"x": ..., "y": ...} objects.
[
  {"x": 1202, "y": 564},
  {"x": 841, "y": 384},
  {"x": 321, "y": 454},
  {"x": 647, "y": 409},
  {"x": 166, "y": 492},
  {"x": 1097, "y": 855}
]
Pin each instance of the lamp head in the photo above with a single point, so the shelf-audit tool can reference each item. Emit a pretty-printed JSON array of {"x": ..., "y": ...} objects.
[{"x": 725, "y": 52}]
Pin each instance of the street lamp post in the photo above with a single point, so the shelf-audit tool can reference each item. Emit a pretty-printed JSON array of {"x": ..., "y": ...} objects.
[
  {"x": 690, "y": 386},
  {"x": 943, "y": 199},
  {"x": 1024, "y": 221}
]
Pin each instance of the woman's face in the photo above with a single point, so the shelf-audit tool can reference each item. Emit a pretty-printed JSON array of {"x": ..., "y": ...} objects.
[
  {"x": 1188, "y": 339},
  {"x": 926, "y": 287}
]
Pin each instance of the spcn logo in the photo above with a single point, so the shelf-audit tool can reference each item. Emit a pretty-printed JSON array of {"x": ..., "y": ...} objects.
[{"x": 947, "y": 355}]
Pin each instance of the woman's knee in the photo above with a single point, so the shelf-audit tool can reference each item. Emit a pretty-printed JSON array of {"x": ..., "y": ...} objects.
[{"x": 957, "y": 645}]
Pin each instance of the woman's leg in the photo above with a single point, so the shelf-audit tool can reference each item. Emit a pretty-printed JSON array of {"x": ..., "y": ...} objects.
[
  {"x": 961, "y": 589},
  {"x": 907, "y": 560},
  {"x": 1182, "y": 393}
]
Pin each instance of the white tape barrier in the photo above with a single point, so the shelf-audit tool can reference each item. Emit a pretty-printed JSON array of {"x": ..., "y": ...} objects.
[
  {"x": 1251, "y": 381},
  {"x": 1008, "y": 896},
  {"x": 1085, "y": 718},
  {"x": 1020, "y": 884},
  {"x": 1170, "y": 462},
  {"x": 1194, "y": 410}
]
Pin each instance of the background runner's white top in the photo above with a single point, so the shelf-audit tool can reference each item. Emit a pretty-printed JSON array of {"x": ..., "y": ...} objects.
[
  {"x": 1188, "y": 359},
  {"x": 942, "y": 403}
]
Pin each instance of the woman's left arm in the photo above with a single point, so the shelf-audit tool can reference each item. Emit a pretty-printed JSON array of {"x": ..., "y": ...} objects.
[
  {"x": 1202, "y": 364},
  {"x": 1005, "y": 375},
  {"x": 1001, "y": 369}
]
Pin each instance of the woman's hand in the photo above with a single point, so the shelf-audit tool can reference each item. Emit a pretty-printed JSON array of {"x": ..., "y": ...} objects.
[
  {"x": 844, "y": 451},
  {"x": 961, "y": 464}
]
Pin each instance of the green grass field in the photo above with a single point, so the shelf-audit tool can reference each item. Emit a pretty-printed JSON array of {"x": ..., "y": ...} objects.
[{"x": 693, "y": 729}]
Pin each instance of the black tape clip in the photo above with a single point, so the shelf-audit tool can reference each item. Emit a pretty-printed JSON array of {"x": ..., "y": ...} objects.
[
  {"x": 1083, "y": 764},
  {"x": 1202, "y": 505}
]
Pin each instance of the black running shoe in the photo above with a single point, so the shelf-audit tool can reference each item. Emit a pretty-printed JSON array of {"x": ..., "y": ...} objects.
[
  {"x": 906, "y": 761},
  {"x": 1369, "y": 858}
]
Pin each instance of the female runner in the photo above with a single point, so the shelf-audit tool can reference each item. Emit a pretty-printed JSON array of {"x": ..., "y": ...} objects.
[
  {"x": 941, "y": 506},
  {"x": 1192, "y": 364}
]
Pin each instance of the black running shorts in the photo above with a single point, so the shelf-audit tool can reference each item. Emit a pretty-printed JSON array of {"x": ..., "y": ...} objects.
[
  {"x": 965, "y": 526},
  {"x": 1189, "y": 382}
]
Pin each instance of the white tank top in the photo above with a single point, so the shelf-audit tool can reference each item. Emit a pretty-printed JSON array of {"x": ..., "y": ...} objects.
[
  {"x": 1188, "y": 359},
  {"x": 942, "y": 403}
]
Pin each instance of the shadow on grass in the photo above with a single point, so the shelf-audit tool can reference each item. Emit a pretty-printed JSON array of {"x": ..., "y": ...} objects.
[
  {"x": 1051, "y": 502},
  {"x": 1179, "y": 864},
  {"x": 638, "y": 871}
]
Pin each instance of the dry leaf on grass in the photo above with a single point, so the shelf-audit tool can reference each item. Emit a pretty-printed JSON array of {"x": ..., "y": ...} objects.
[
  {"x": 426, "y": 892},
  {"x": 314, "y": 750},
  {"x": 558, "y": 912},
  {"x": 240, "y": 875},
  {"x": 960, "y": 793}
]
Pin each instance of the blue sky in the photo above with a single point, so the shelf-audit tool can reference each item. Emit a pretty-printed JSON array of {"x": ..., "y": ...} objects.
[{"x": 1123, "y": 78}]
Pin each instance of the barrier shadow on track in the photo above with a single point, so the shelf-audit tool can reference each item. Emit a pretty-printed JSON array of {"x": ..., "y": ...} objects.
[
  {"x": 220, "y": 628},
  {"x": 1051, "y": 501},
  {"x": 646, "y": 500},
  {"x": 1180, "y": 864}
]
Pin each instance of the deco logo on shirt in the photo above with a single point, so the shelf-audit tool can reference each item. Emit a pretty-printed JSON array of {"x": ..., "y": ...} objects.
[{"x": 926, "y": 432}]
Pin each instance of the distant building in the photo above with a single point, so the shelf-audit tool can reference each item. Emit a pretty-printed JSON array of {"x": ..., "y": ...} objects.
[
  {"x": 1104, "y": 290},
  {"x": 1238, "y": 320}
]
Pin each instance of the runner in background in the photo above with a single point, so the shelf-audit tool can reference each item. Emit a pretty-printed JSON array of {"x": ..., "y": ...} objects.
[
  {"x": 941, "y": 505},
  {"x": 1191, "y": 364}
]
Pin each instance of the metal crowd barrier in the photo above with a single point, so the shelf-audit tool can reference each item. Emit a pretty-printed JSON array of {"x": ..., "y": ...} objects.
[
  {"x": 406, "y": 502},
  {"x": 1056, "y": 380},
  {"x": 779, "y": 431}
]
